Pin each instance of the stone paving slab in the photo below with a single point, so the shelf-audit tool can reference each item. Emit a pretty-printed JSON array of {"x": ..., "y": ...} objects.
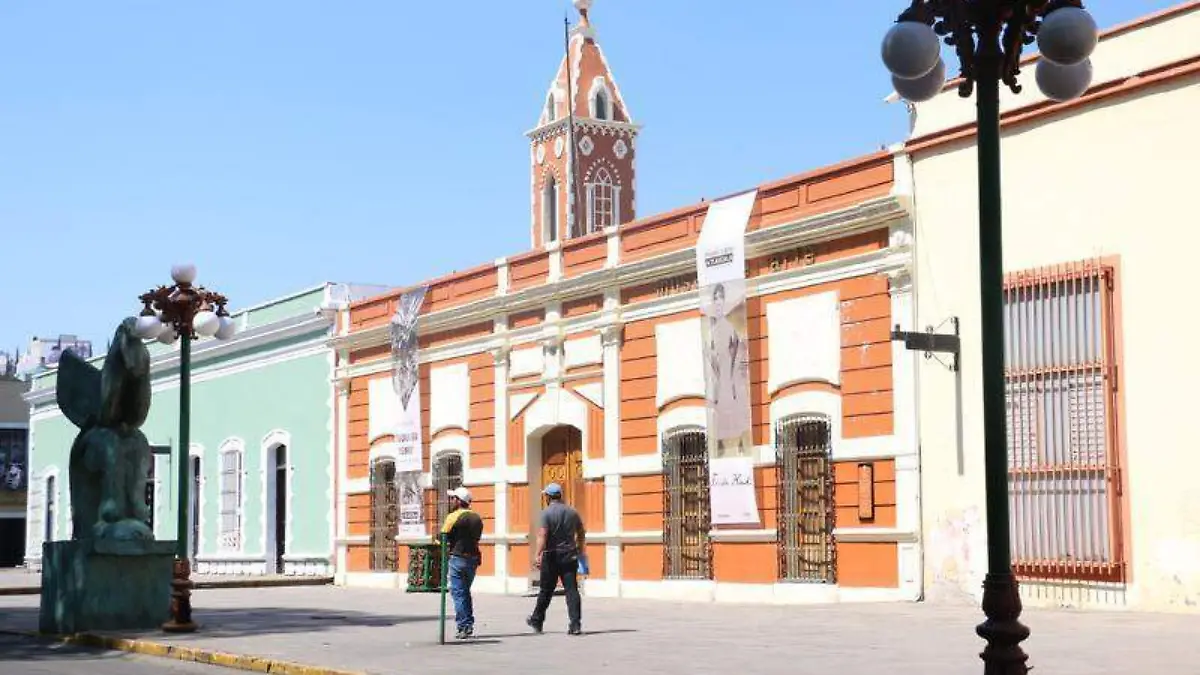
[{"x": 381, "y": 632}]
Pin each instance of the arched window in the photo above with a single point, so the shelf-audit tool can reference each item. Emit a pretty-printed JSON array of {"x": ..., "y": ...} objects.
[
  {"x": 550, "y": 209},
  {"x": 51, "y": 508},
  {"x": 550, "y": 108},
  {"x": 687, "y": 549},
  {"x": 447, "y": 475},
  {"x": 231, "y": 486},
  {"x": 804, "y": 462},
  {"x": 601, "y": 201},
  {"x": 385, "y": 511},
  {"x": 600, "y": 103}
]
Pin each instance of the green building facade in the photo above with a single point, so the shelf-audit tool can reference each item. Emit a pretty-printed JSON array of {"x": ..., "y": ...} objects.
[{"x": 261, "y": 457}]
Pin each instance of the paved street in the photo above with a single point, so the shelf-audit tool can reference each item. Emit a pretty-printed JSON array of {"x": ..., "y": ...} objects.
[
  {"x": 393, "y": 632},
  {"x": 23, "y": 656}
]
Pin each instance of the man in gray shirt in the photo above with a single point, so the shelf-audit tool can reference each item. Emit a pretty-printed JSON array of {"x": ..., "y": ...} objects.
[{"x": 560, "y": 541}]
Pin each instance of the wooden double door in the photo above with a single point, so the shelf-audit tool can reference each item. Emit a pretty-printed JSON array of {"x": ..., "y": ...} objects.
[{"x": 562, "y": 463}]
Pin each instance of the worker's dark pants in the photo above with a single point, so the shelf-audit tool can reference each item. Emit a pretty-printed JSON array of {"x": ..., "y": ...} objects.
[{"x": 556, "y": 566}]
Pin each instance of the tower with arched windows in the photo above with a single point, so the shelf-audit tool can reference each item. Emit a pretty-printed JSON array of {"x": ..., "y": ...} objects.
[{"x": 582, "y": 157}]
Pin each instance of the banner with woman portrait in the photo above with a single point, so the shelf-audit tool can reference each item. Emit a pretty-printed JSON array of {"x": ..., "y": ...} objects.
[{"x": 724, "y": 331}]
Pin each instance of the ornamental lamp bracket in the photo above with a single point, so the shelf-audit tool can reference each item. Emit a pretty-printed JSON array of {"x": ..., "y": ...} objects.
[{"x": 932, "y": 342}]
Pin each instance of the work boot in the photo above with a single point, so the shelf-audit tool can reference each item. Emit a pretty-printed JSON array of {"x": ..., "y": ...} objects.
[{"x": 534, "y": 624}]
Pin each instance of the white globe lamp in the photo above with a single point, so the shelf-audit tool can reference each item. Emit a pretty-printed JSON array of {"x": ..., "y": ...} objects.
[
  {"x": 184, "y": 273},
  {"x": 1067, "y": 36},
  {"x": 147, "y": 326},
  {"x": 226, "y": 329},
  {"x": 923, "y": 88},
  {"x": 167, "y": 335},
  {"x": 1063, "y": 83},
  {"x": 206, "y": 323},
  {"x": 910, "y": 49}
]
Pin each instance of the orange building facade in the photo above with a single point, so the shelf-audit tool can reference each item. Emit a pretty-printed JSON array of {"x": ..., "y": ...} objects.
[{"x": 580, "y": 362}]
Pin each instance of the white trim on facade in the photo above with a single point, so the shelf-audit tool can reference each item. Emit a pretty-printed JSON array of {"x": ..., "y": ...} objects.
[{"x": 273, "y": 440}]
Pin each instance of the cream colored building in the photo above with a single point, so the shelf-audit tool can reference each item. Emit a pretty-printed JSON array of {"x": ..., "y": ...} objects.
[{"x": 1100, "y": 235}]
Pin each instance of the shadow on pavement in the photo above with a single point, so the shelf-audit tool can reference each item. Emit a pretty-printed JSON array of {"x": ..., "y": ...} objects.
[
  {"x": 241, "y": 622},
  {"x": 15, "y": 648},
  {"x": 585, "y": 633}
]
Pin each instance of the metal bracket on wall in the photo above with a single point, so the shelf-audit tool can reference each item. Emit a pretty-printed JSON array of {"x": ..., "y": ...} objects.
[{"x": 931, "y": 342}]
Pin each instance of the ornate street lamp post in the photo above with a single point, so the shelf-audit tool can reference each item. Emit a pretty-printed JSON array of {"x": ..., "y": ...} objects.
[
  {"x": 183, "y": 311},
  {"x": 988, "y": 36}
]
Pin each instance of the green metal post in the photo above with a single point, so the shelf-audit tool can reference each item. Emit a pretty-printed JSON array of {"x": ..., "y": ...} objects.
[
  {"x": 181, "y": 585},
  {"x": 1001, "y": 600},
  {"x": 444, "y": 575},
  {"x": 185, "y": 409}
]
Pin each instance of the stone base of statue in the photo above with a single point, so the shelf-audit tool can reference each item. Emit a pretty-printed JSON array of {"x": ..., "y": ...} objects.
[{"x": 102, "y": 584}]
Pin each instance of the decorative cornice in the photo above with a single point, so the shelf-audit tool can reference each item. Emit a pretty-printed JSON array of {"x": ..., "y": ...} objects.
[
  {"x": 207, "y": 351},
  {"x": 866, "y": 216},
  {"x": 875, "y": 262},
  {"x": 605, "y": 127}
]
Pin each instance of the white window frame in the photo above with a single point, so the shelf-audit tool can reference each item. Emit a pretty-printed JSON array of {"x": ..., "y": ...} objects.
[{"x": 231, "y": 538}]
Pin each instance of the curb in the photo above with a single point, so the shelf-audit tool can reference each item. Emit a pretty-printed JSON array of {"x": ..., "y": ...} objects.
[
  {"x": 256, "y": 664},
  {"x": 202, "y": 585}
]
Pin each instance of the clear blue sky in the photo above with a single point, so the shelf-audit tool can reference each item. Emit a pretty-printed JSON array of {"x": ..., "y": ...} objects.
[{"x": 264, "y": 140}]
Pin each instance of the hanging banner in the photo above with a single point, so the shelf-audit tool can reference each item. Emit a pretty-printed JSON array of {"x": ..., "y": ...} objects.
[
  {"x": 724, "y": 332},
  {"x": 406, "y": 382},
  {"x": 731, "y": 486}
]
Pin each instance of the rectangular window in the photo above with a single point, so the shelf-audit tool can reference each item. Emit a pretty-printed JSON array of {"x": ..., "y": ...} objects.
[
  {"x": 687, "y": 548},
  {"x": 804, "y": 461},
  {"x": 231, "y": 500},
  {"x": 385, "y": 511},
  {"x": 1060, "y": 390}
]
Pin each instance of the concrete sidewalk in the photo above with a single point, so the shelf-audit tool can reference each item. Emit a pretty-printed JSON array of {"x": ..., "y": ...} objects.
[
  {"x": 375, "y": 631},
  {"x": 24, "y": 582}
]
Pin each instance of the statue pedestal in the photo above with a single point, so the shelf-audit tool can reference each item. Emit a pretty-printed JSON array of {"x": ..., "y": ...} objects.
[{"x": 101, "y": 584}]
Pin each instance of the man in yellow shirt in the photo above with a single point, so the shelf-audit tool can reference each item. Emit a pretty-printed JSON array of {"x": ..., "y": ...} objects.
[{"x": 463, "y": 529}]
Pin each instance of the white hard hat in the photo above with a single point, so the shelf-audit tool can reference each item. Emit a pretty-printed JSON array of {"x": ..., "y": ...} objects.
[{"x": 462, "y": 494}]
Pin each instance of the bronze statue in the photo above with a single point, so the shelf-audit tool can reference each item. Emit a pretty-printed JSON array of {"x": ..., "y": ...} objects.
[{"x": 110, "y": 456}]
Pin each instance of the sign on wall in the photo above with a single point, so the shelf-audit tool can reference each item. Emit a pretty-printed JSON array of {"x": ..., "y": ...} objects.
[
  {"x": 406, "y": 383},
  {"x": 721, "y": 276}
]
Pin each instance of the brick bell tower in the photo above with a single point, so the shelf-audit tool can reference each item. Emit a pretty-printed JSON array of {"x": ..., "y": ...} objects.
[{"x": 581, "y": 154}]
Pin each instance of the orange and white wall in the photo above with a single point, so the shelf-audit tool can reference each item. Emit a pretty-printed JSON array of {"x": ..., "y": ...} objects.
[
  {"x": 1111, "y": 176},
  {"x": 609, "y": 344}
]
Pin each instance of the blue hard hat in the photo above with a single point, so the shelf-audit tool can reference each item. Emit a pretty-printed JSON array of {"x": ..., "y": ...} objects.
[{"x": 553, "y": 489}]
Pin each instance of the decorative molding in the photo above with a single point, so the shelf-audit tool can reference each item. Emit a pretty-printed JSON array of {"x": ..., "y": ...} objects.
[
  {"x": 592, "y": 391},
  {"x": 804, "y": 340},
  {"x": 449, "y": 397},
  {"x": 867, "y": 216},
  {"x": 680, "y": 363},
  {"x": 205, "y": 351},
  {"x": 271, "y": 441},
  {"x": 231, "y": 445}
]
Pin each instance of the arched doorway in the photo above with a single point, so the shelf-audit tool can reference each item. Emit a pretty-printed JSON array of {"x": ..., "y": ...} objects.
[
  {"x": 562, "y": 463},
  {"x": 279, "y": 508},
  {"x": 194, "y": 508}
]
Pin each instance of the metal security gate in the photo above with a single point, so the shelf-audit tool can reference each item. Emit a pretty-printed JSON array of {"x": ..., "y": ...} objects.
[
  {"x": 1061, "y": 388},
  {"x": 687, "y": 548},
  {"x": 447, "y": 475},
  {"x": 804, "y": 460},
  {"x": 385, "y": 525}
]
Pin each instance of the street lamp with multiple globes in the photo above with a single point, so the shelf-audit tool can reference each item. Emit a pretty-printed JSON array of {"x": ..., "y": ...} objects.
[
  {"x": 183, "y": 312},
  {"x": 988, "y": 36}
]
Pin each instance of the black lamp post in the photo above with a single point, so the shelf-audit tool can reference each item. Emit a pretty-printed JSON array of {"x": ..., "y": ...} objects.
[
  {"x": 183, "y": 311},
  {"x": 988, "y": 36}
]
